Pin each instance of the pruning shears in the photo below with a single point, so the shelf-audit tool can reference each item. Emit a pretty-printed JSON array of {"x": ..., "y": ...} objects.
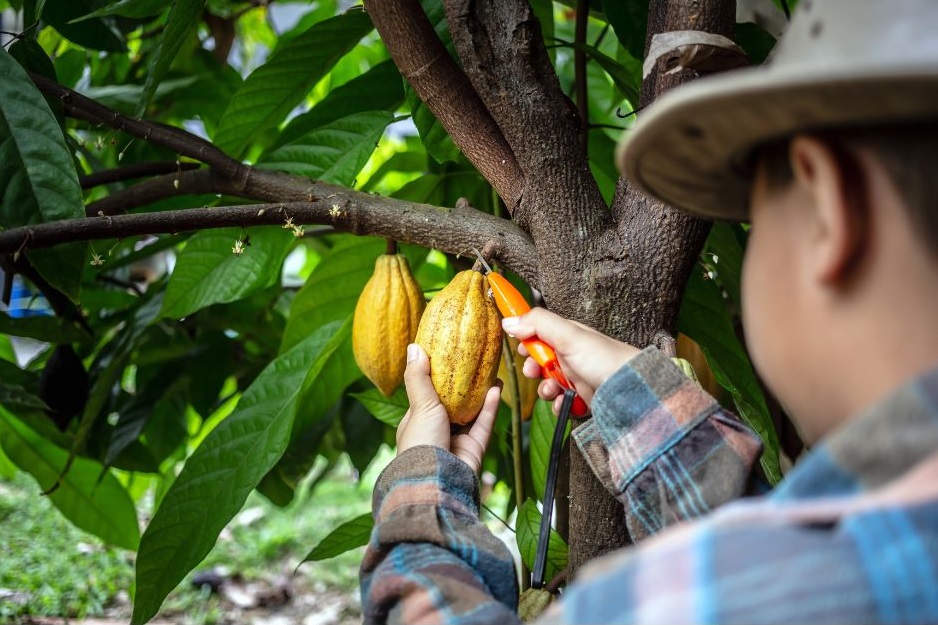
[{"x": 511, "y": 303}]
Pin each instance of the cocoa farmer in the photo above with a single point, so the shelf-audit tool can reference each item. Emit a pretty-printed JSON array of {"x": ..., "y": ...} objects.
[{"x": 830, "y": 152}]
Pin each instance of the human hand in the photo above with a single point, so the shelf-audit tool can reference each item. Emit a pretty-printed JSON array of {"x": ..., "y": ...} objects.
[
  {"x": 586, "y": 356},
  {"x": 426, "y": 422}
]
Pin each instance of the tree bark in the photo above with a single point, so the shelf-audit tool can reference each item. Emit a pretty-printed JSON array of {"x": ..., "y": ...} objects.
[{"x": 646, "y": 270}]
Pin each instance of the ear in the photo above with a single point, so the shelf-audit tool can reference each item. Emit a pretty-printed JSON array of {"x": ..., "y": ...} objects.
[{"x": 835, "y": 184}]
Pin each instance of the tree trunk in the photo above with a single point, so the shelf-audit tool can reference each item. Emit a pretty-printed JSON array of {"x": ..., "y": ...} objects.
[{"x": 650, "y": 256}]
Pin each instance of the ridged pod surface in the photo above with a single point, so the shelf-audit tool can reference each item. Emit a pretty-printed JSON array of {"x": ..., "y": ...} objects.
[
  {"x": 461, "y": 332},
  {"x": 527, "y": 386},
  {"x": 386, "y": 318}
]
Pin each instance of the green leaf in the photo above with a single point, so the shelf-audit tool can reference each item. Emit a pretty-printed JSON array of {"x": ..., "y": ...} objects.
[
  {"x": 96, "y": 34},
  {"x": 436, "y": 140},
  {"x": 335, "y": 152},
  {"x": 40, "y": 182},
  {"x": 627, "y": 78},
  {"x": 332, "y": 289},
  {"x": 527, "y": 529},
  {"x": 17, "y": 399},
  {"x": 755, "y": 41},
  {"x": 224, "y": 469},
  {"x": 208, "y": 272},
  {"x": 381, "y": 88},
  {"x": 183, "y": 17},
  {"x": 543, "y": 422},
  {"x": 43, "y": 328},
  {"x": 348, "y": 536},
  {"x": 102, "y": 508},
  {"x": 629, "y": 20},
  {"x": 318, "y": 407},
  {"x": 724, "y": 250},
  {"x": 389, "y": 410},
  {"x": 704, "y": 318},
  {"x": 274, "y": 89}
]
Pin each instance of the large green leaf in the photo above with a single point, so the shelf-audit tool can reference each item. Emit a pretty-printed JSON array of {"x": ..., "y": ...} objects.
[
  {"x": 332, "y": 290},
  {"x": 381, "y": 88},
  {"x": 274, "y": 89},
  {"x": 389, "y": 410},
  {"x": 208, "y": 272},
  {"x": 39, "y": 179},
  {"x": 527, "y": 529},
  {"x": 335, "y": 152},
  {"x": 350, "y": 535},
  {"x": 183, "y": 18},
  {"x": 102, "y": 508},
  {"x": 704, "y": 318},
  {"x": 627, "y": 78},
  {"x": 318, "y": 408},
  {"x": 225, "y": 468},
  {"x": 96, "y": 34}
]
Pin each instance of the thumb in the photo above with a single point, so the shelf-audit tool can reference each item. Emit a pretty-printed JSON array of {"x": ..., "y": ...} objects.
[{"x": 420, "y": 391}]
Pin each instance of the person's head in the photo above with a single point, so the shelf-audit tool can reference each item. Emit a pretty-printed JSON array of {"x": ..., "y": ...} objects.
[
  {"x": 829, "y": 153},
  {"x": 843, "y": 243}
]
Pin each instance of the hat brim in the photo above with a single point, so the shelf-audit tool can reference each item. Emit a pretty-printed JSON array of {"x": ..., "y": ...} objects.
[{"x": 690, "y": 148}]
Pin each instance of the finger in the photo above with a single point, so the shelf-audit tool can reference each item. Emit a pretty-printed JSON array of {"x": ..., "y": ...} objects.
[
  {"x": 545, "y": 325},
  {"x": 558, "y": 402},
  {"x": 420, "y": 391},
  {"x": 523, "y": 350},
  {"x": 401, "y": 427},
  {"x": 481, "y": 430},
  {"x": 549, "y": 389},
  {"x": 531, "y": 369}
]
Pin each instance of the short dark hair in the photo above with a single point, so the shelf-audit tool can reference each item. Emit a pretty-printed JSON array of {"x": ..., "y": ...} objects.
[{"x": 908, "y": 154}]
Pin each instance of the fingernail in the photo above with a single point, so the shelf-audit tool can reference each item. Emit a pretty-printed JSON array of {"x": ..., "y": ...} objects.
[
  {"x": 412, "y": 352},
  {"x": 509, "y": 323}
]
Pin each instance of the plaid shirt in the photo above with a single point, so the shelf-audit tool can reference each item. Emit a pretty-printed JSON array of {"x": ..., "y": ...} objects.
[{"x": 851, "y": 535}]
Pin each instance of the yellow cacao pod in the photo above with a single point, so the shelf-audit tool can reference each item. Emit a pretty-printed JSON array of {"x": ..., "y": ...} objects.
[
  {"x": 385, "y": 322},
  {"x": 462, "y": 335},
  {"x": 527, "y": 386},
  {"x": 690, "y": 351}
]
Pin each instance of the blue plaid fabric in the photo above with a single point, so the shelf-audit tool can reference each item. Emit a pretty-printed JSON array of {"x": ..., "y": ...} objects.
[{"x": 851, "y": 535}]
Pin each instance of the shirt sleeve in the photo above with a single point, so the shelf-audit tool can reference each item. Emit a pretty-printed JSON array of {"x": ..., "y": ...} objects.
[
  {"x": 663, "y": 447},
  {"x": 430, "y": 558}
]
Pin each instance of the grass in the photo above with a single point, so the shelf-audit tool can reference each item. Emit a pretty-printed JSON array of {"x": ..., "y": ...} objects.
[{"x": 61, "y": 571}]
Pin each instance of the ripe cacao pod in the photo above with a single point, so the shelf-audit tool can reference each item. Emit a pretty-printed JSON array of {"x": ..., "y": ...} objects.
[
  {"x": 527, "y": 386},
  {"x": 691, "y": 352},
  {"x": 462, "y": 335},
  {"x": 385, "y": 322}
]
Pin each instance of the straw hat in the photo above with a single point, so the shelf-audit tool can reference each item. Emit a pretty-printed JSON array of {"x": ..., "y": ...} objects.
[{"x": 841, "y": 63}]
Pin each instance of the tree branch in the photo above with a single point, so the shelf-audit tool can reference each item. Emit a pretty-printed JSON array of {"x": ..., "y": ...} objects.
[
  {"x": 180, "y": 141},
  {"x": 445, "y": 89},
  {"x": 129, "y": 172},
  {"x": 452, "y": 230},
  {"x": 196, "y": 182}
]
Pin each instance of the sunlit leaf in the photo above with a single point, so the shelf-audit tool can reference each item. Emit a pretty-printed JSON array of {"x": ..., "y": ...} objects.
[
  {"x": 208, "y": 271},
  {"x": 335, "y": 152},
  {"x": 275, "y": 88}
]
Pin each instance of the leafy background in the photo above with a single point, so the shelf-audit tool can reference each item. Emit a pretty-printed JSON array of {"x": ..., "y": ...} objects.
[{"x": 215, "y": 377}]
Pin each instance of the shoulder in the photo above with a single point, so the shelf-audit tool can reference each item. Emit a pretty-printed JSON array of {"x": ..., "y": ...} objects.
[{"x": 761, "y": 561}]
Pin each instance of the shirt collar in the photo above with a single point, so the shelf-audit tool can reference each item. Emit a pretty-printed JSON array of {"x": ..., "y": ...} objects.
[{"x": 876, "y": 447}]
